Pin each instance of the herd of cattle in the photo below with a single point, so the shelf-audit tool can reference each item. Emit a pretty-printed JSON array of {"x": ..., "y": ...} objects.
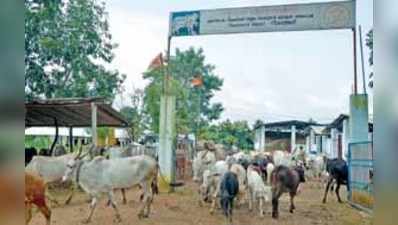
[
  {"x": 251, "y": 178},
  {"x": 262, "y": 177}
]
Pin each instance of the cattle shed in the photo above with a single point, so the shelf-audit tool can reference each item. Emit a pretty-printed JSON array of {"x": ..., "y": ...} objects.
[
  {"x": 72, "y": 112},
  {"x": 281, "y": 135}
]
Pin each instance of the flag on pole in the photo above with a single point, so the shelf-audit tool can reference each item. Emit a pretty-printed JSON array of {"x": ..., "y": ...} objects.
[
  {"x": 197, "y": 81},
  {"x": 156, "y": 62}
]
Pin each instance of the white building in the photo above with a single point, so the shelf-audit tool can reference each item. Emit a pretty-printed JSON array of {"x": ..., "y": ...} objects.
[{"x": 333, "y": 139}]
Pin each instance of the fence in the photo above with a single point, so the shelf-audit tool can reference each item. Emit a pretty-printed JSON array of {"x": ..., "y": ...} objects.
[{"x": 360, "y": 175}]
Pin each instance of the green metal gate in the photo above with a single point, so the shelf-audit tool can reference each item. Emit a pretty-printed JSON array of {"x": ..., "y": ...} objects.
[{"x": 360, "y": 175}]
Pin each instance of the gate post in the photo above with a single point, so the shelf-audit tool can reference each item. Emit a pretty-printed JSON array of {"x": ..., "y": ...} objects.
[{"x": 359, "y": 118}]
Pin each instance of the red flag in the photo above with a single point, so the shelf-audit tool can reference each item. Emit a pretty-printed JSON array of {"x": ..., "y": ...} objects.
[
  {"x": 197, "y": 81},
  {"x": 156, "y": 62}
]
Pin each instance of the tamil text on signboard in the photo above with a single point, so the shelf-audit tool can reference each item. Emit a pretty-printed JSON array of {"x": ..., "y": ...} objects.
[{"x": 295, "y": 17}]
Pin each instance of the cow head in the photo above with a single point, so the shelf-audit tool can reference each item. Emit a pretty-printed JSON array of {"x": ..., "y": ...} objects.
[
  {"x": 72, "y": 164},
  {"x": 300, "y": 171}
]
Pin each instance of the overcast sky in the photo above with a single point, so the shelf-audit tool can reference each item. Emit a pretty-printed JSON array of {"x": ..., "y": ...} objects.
[{"x": 268, "y": 76}]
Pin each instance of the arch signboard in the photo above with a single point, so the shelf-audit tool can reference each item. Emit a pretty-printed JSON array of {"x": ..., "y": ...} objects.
[{"x": 293, "y": 17}]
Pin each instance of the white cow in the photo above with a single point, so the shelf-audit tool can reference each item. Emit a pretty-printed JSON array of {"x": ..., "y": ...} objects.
[
  {"x": 51, "y": 169},
  {"x": 202, "y": 161},
  {"x": 283, "y": 158},
  {"x": 270, "y": 167},
  {"x": 211, "y": 180},
  {"x": 101, "y": 176},
  {"x": 257, "y": 190},
  {"x": 316, "y": 168}
]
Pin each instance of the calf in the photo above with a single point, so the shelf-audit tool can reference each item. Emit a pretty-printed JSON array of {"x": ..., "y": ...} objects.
[
  {"x": 101, "y": 176},
  {"x": 285, "y": 179},
  {"x": 257, "y": 189},
  {"x": 35, "y": 194},
  {"x": 338, "y": 171},
  {"x": 229, "y": 188}
]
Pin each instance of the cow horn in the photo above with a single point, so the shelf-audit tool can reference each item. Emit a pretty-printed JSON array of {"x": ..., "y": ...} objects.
[{"x": 79, "y": 152}]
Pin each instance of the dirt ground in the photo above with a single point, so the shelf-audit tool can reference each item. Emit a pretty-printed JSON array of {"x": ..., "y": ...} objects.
[{"x": 182, "y": 208}]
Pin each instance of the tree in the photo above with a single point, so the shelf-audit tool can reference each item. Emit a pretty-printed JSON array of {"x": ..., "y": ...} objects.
[
  {"x": 229, "y": 133},
  {"x": 258, "y": 123},
  {"x": 193, "y": 105},
  {"x": 369, "y": 43},
  {"x": 136, "y": 115},
  {"x": 68, "y": 46}
]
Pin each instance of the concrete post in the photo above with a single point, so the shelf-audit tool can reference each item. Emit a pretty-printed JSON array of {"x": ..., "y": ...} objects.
[
  {"x": 334, "y": 149},
  {"x": 293, "y": 139},
  {"x": 359, "y": 118},
  {"x": 257, "y": 134},
  {"x": 307, "y": 144},
  {"x": 166, "y": 143},
  {"x": 318, "y": 143},
  {"x": 346, "y": 137},
  {"x": 94, "y": 123},
  {"x": 262, "y": 139},
  {"x": 312, "y": 140}
]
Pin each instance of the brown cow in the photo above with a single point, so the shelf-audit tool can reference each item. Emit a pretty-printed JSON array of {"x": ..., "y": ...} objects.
[
  {"x": 35, "y": 194},
  {"x": 285, "y": 179}
]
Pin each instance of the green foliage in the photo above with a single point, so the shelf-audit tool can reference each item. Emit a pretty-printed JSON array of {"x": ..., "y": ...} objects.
[
  {"x": 258, "y": 123},
  {"x": 37, "y": 142},
  {"x": 229, "y": 133},
  {"x": 193, "y": 105},
  {"x": 68, "y": 45},
  {"x": 369, "y": 43},
  {"x": 135, "y": 115}
]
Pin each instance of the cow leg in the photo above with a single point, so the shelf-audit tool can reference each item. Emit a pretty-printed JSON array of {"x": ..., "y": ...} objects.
[
  {"x": 72, "y": 191},
  {"x": 150, "y": 199},
  {"x": 260, "y": 206},
  {"x": 146, "y": 186},
  {"x": 292, "y": 207},
  {"x": 51, "y": 198},
  {"x": 214, "y": 199},
  {"x": 28, "y": 212},
  {"x": 230, "y": 208},
  {"x": 124, "y": 196},
  {"x": 337, "y": 192},
  {"x": 327, "y": 189},
  {"x": 250, "y": 194},
  {"x": 92, "y": 207},
  {"x": 46, "y": 213},
  {"x": 110, "y": 197},
  {"x": 276, "y": 194}
]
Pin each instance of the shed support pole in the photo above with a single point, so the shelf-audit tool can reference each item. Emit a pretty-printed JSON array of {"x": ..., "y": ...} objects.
[
  {"x": 293, "y": 139},
  {"x": 56, "y": 136},
  {"x": 71, "y": 139},
  {"x": 94, "y": 123}
]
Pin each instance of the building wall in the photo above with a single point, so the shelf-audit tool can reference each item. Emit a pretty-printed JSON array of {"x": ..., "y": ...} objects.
[{"x": 282, "y": 143}]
